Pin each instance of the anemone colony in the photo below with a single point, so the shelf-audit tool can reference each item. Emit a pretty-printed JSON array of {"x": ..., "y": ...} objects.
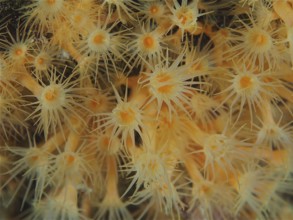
[{"x": 147, "y": 110}]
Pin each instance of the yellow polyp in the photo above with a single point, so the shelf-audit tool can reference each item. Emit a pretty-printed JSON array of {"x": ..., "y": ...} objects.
[
  {"x": 70, "y": 159},
  {"x": 165, "y": 89},
  {"x": 127, "y": 117},
  {"x": 182, "y": 19},
  {"x": 99, "y": 39},
  {"x": 261, "y": 39},
  {"x": 77, "y": 19},
  {"x": 18, "y": 52},
  {"x": 51, "y": 2},
  {"x": 245, "y": 82},
  {"x": 154, "y": 9},
  {"x": 51, "y": 95},
  {"x": 205, "y": 190},
  {"x": 148, "y": 42},
  {"x": 199, "y": 66},
  {"x": 153, "y": 166},
  {"x": 33, "y": 159},
  {"x": 41, "y": 61},
  {"x": 163, "y": 77}
]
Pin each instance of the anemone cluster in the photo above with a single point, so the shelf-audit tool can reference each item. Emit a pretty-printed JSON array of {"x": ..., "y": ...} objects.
[{"x": 123, "y": 109}]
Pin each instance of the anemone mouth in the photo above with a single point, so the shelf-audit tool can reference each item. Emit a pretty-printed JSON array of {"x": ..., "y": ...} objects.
[
  {"x": 182, "y": 18},
  {"x": 247, "y": 84},
  {"x": 125, "y": 116},
  {"x": 99, "y": 41},
  {"x": 53, "y": 96},
  {"x": 53, "y": 6},
  {"x": 216, "y": 145},
  {"x": 69, "y": 159},
  {"x": 51, "y": 2},
  {"x": 163, "y": 83},
  {"x": 18, "y": 51},
  {"x": 35, "y": 158},
  {"x": 148, "y": 42},
  {"x": 259, "y": 41},
  {"x": 79, "y": 19},
  {"x": 42, "y": 62},
  {"x": 154, "y": 9},
  {"x": 186, "y": 17}
]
